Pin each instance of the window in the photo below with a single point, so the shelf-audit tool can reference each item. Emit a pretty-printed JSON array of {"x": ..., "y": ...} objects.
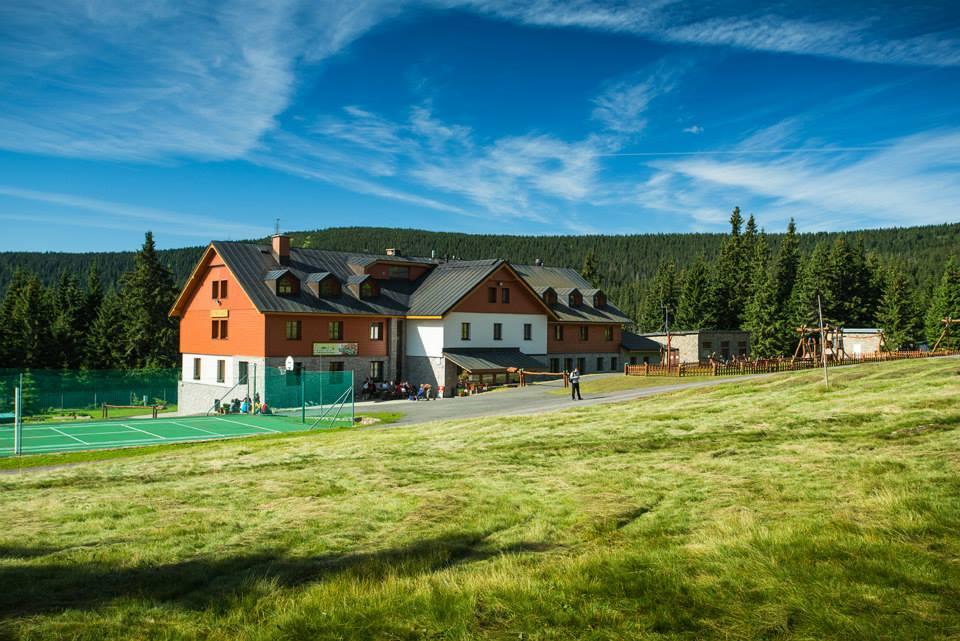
[
  {"x": 464, "y": 331},
  {"x": 491, "y": 294},
  {"x": 221, "y": 371},
  {"x": 550, "y": 297},
  {"x": 376, "y": 331},
  {"x": 575, "y": 299},
  {"x": 646, "y": 360},
  {"x": 599, "y": 363},
  {"x": 376, "y": 370},
  {"x": 599, "y": 300},
  {"x": 223, "y": 289},
  {"x": 218, "y": 329},
  {"x": 505, "y": 295},
  {"x": 613, "y": 363},
  {"x": 554, "y": 364},
  {"x": 335, "y": 366},
  {"x": 329, "y": 288},
  {"x": 568, "y": 364},
  {"x": 498, "y": 331},
  {"x": 707, "y": 344},
  {"x": 558, "y": 332},
  {"x": 398, "y": 272},
  {"x": 335, "y": 330},
  {"x": 633, "y": 360},
  {"x": 293, "y": 330},
  {"x": 608, "y": 333},
  {"x": 244, "y": 373},
  {"x": 196, "y": 369},
  {"x": 367, "y": 289},
  {"x": 725, "y": 349},
  {"x": 584, "y": 332},
  {"x": 742, "y": 348},
  {"x": 528, "y": 331},
  {"x": 284, "y": 287},
  {"x": 216, "y": 289},
  {"x": 582, "y": 365}
]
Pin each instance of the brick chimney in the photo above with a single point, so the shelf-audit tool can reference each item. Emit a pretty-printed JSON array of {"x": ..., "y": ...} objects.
[
  {"x": 281, "y": 249},
  {"x": 391, "y": 251}
]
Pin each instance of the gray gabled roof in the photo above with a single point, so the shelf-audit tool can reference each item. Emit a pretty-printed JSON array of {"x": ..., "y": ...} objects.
[
  {"x": 447, "y": 284},
  {"x": 276, "y": 274},
  {"x": 479, "y": 359},
  {"x": 317, "y": 277},
  {"x": 251, "y": 263},
  {"x": 564, "y": 280}
]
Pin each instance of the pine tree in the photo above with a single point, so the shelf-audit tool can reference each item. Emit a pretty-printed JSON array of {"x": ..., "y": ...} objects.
[
  {"x": 696, "y": 300},
  {"x": 762, "y": 316},
  {"x": 147, "y": 294},
  {"x": 729, "y": 276},
  {"x": 589, "y": 269},
  {"x": 104, "y": 344},
  {"x": 11, "y": 341},
  {"x": 68, "y": 308},
  {"x": 788, "y": 265},
  {"x": 30, "y": 324},
  {"x": 945, "y": 303},
  {"x": 664, "y": 292},
  {"x": 898, "y": 312},
  {"x": 94, "y": 294}
]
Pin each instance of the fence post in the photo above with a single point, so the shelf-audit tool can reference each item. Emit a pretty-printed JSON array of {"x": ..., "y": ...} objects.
[{"x": 646, "y": 369}]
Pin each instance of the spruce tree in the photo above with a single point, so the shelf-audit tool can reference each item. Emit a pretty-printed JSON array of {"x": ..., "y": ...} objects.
[
  {"x": 11, "y": 340},
  {"x": 945, "y": 303},
  {"x": 664, "y": 292},
  {"x": 94, "y": 293},
  {"x": 787, "y": 265},
  {"x": 104, "y": 345},
  {"x": 68, "y": 321},
  {"x": 898, "y": 312},
  {"x": 729, "y": 276},
  {"x": 30, "y": 324},
  {"x": 762, "y": 316},
  {"x": 589, "y": 269},
  {"x": 695, "y": 302},
  {"x": 147, "y": 293}
]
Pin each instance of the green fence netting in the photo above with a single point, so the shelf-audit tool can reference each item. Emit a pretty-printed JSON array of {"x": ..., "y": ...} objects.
[
  {"x": 48, "y": 392},
  {"x": 314, "y": 393}
]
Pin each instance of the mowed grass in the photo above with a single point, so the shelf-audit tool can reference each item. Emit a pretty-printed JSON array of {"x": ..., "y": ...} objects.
[
  {"x": 757, "y": 510},
  {"x": 606, "y": 383}
]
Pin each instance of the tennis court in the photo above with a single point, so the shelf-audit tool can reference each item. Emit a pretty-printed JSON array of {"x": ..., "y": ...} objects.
[{"x": 98, "y": 435}]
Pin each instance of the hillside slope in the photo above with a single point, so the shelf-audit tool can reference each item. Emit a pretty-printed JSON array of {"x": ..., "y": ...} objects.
[{"x": 756, "y": 510}]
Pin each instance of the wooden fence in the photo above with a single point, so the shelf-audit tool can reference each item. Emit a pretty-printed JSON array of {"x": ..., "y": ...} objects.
[{"x": 769, "y": 366}]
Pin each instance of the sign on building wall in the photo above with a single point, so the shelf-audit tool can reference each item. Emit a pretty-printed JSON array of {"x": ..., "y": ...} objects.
[
  {"x": 219, "y": 313},
  {"x": 335, "y": 349}
]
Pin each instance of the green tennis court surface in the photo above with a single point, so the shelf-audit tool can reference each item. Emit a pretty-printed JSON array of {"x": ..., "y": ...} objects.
[{"x": 90, "y": 435}]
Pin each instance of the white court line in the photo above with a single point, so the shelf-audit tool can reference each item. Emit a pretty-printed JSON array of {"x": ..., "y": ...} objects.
[
  {"x": 245, "y": 425},
  {"x": 199, "y": 429},
  {"x": 162, "y": 438},
  {"x": 104, "y": 445},
  {"x": 68, "y": 435}
]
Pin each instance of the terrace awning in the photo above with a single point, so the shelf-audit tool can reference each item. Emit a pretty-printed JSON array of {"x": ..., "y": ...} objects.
[{"x": 478, "y": 359}]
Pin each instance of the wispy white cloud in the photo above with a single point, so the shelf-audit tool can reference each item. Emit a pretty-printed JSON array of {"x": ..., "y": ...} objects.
[
  {"x": 622, "y": 108},
  {"x": 179, "y": 223},
  {"x": 912, "y": 179},
  {"x": 693, "y": 129}
]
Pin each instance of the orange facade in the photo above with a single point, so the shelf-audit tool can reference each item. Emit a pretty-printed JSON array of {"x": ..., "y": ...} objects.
[
  {"x": 521, "y": 299},
  {"x": 572, "y": 344},
  {"x": 315, "y": 328},
  {"x": 245, "y": 325}
]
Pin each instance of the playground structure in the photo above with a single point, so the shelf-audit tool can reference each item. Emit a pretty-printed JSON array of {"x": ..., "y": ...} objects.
[
  {"x": 826, "y": 344},
  {"x": 948, "y": 322}
]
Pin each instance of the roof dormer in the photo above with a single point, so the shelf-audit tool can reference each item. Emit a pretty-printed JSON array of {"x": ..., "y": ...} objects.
[
  {"x": 599, "y": 299},
  {"x": 283, "y": 282},
  {"x": 549, "y": 295},
  {"x": 363, "y": 286},
  {"x": 574, "y": 298},
  {"x": 324, "y": 285}
]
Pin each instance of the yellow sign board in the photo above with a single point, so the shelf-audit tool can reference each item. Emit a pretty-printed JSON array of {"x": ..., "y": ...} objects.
[{"x": 219, "y": 313}]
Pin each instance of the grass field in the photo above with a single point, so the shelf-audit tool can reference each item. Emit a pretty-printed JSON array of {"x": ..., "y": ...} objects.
[
  {"x": 756, "y": 510},
  {"x": 604, "y": 383}
]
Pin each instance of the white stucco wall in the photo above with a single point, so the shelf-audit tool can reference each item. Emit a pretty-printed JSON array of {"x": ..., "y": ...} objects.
[
  {"x": 481, "y": 331},
  {"x": 424, "y": 338}
]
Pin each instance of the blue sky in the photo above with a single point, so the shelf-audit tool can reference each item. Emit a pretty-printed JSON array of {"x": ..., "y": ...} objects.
[{"x": 209, "y": 120}]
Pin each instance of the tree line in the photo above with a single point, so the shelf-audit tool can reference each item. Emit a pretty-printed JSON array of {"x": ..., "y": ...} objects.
[
  {"x": 747, "y": 285},
  {"x": 109, "y": 310},
  {"x": 69, "y": 325}
]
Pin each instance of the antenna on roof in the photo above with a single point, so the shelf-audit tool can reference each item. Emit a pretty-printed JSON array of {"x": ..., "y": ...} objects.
[{"x": 276, "y": 227}]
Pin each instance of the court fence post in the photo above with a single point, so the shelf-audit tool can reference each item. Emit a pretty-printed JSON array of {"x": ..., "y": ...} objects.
[
  {"x": 303, "y": 395},
  {"x": 17, "y": 418}
]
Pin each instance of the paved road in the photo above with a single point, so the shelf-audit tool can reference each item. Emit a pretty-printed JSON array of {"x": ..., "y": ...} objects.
[{"x": 535, "y": 399}]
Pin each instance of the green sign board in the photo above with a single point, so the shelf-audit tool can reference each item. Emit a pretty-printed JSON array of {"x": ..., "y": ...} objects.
[{"x": 334, "y": 349}]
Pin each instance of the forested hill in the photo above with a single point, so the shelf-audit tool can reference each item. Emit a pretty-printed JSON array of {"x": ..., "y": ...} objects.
[{"x": 620, "y": 260}]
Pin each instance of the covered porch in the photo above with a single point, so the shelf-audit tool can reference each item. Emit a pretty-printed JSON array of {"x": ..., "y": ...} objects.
[{"x": 480, "y": 369}]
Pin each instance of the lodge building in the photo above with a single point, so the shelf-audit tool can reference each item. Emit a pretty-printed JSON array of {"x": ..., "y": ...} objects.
[{"x": 247, "y": 307}]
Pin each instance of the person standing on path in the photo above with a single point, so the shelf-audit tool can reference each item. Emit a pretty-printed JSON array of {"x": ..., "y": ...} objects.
[{"x": 575, "y": 385}]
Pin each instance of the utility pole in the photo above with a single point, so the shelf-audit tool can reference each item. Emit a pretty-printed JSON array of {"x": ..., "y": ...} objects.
[
  {"x": 666, "y": 327},
  {"x": 823, "y": 345}
]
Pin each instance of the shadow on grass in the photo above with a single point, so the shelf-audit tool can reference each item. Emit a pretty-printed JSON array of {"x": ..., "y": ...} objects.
[{"x": 203, "y": 583}]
